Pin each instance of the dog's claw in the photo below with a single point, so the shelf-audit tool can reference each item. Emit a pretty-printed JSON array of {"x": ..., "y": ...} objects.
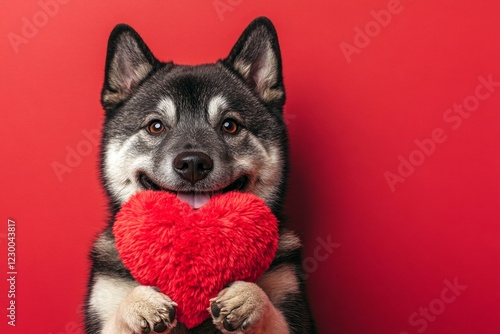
[
  {"x": 245, "y": 325},
  {"x": 215, "y": 310},
  {"x": 171, "y": 314},
  {"x": 145, "y": 327},
  {"x": 160, "y": 327},
  {"x": 228, "y": 326}
]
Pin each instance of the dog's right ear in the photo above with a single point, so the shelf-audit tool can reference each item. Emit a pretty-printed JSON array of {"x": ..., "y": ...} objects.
[{"x": 128, "y": 62}]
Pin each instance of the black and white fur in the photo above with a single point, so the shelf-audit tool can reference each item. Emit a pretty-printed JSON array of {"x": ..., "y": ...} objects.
[{"x": 192, "y": 106}]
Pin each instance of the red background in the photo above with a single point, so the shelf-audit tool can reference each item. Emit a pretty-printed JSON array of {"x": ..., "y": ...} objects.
[{"x": 349, "y": 123}]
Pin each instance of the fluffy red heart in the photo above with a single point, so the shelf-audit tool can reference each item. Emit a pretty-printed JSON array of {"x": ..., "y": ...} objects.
[{"x": 190, "y": 255}]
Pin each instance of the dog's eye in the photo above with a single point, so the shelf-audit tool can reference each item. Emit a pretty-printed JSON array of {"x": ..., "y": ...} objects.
[
  {"x": 230, "y": 126},
  {"x": 155, "y": 127}
]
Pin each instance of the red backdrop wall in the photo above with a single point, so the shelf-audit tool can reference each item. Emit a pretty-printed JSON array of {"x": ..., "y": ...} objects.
[{"x": 393, "y": 111}]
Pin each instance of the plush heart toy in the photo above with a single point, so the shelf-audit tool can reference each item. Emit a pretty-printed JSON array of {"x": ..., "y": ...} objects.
[{"x": 191, "y": 255}]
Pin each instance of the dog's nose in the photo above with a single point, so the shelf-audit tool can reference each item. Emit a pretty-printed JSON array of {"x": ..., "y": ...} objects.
[{"x": 193, "y": 166}]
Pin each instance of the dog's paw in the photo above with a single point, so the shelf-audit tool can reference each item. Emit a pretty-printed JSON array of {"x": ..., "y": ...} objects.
[
  {"x": 146, "y": 310},
  {"x": 240, "y": 308}
]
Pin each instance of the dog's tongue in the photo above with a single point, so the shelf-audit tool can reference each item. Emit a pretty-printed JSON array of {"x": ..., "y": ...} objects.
[{"x": 196, "y": 200}]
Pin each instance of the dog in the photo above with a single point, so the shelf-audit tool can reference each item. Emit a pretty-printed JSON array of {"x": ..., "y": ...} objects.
[{"x": 196, "y": 131}]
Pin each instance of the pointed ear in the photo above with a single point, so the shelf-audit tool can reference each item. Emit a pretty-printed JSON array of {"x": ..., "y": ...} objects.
[
  {"x": 128, "y": 63},
  {"x": 256, "y": 58}
]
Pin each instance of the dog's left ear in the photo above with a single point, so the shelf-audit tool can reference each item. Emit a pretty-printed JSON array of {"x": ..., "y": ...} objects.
[{"x": 256, "y": 58}]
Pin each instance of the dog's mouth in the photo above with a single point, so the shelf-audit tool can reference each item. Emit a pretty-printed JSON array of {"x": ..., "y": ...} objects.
[{"x": 195, "y": 199}]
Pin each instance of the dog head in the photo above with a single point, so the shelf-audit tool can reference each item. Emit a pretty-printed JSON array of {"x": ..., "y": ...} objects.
[{"x": 195, "y": 130}]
